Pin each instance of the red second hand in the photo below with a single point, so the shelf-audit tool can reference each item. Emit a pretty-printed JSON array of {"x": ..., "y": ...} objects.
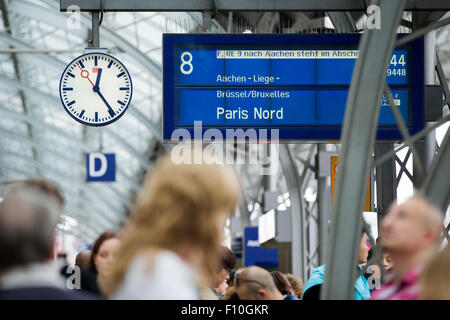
[{"x": 86, "y": 72}]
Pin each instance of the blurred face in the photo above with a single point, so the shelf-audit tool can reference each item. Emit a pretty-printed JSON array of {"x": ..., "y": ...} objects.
[
  {"x": 220, "y": 277},
  {"x": 223, "y": 287},
  {"x": 387, "y": 261},
  {"x": 104, "y": 258},
  {"x": 363, "y": 249},
  {"x": 402, "y": 228}
]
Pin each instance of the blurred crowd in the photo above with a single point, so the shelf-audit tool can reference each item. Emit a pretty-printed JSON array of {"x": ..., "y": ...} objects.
[{"x": 171, "y": 247}]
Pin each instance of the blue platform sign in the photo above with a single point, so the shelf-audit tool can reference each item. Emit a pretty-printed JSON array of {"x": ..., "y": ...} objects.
[
  {"x": 101, "y": 167},
  {"x": 254, "y": 254},
  {"x": 298, "y": 84}
]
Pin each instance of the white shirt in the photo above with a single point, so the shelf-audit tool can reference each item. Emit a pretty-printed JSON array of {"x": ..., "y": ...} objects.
[{"x": 166, "y": 277}]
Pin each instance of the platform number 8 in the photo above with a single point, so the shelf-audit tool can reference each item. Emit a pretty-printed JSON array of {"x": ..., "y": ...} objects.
[{"x": 187, "y": 62}]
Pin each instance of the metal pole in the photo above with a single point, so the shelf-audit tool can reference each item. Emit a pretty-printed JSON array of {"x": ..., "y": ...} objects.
[
  {"x": 94, "y": 42},
  {"x": 242, "y": 5},
  {"x": 230, "y": 22},
  {"x": 386, "y": 182},
  {"x": 297, "y": 215},
  {"x": 430, "y": 63},
  {"x": 323, "y": 207},
  {"x": 436, "y": 186},
  {"x": 358, "y": 137}
]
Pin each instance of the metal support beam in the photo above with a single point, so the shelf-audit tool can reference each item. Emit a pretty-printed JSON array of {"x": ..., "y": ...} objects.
[
  {"x": 240, "y": 5},
  {"x": 421, "y": 32},
  {"x": 429, "y": 68},
  {"x": 297, "y": 218},
  {"x": 230, "y": 22},
  {"x": 422, "y": 133},
  {"x": 386, "y": 182},
  {"x": 207, "y": 21},
  {"x": 94, "y": 41},
  {"x": 358, "y": 136},
  {"x": 323, "y": 208},
  {"x": 436, "y": 186},
  {"x": 342, "y": 21}
]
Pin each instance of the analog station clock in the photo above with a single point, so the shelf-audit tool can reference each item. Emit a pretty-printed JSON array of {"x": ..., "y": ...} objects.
[{"x": 95, "y": 89}]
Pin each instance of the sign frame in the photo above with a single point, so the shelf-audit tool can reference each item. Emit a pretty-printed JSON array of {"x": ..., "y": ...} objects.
[{"x": 289, "y": 133}]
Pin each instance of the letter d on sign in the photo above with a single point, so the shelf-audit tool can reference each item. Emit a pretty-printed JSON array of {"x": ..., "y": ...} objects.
[{"x": 101, "y": 167}]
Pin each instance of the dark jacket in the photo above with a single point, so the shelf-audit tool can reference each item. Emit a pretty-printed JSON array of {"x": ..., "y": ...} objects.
[{"x": 44, "y": 293}]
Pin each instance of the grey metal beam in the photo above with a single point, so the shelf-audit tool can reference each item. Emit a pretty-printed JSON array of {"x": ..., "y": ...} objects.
[
  {"x": 358, "y": 136},
  {"x": 342, "y": 21},
  {"x": 323, "y": 207},
  {"x": 430, "y": 72},
  {"x": 239, "y": 5},
  {"x": 94, "y": 41},
  {"x": 421, "y": 32},
  {"x": 386, "y": 186},
  {"x": 422, "y": 133},
  {"x": 436, "y": 185},
  {"x": 297, "y": 216}
]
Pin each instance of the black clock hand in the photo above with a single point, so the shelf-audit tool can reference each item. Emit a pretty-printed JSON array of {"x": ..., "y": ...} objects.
[
  {"x": 97, "y": 81},
  {"x": 110, "y": 110}
]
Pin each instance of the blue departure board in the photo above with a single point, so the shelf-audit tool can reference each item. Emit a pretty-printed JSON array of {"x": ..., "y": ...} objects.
[{"x": 297, "y": 84}]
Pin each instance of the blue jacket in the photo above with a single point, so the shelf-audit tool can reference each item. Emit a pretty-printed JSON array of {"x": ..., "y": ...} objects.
[{"x": 362, "y": 291}]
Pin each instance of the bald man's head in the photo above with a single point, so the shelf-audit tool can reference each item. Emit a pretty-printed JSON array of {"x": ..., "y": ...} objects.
[
  {"x": 255, "y": 283},
  {"x": 410, "y": 227}
]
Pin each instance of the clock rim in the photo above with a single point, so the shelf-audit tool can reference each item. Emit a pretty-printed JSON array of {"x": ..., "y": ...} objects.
[{"x": 103, "y": 123}]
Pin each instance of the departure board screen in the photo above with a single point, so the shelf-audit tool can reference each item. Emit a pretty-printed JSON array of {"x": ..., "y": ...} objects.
[{"x": 297, "y": 84}]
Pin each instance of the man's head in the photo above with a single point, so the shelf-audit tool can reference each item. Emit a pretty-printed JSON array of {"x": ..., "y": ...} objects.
[
  {"x": 29, "y": 214},
  {"x": 255, "y": 283},
  {"x": 411, "y": 227}
]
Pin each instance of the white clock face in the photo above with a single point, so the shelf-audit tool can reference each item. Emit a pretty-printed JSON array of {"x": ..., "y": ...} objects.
[{"x": 95, "y": 89}]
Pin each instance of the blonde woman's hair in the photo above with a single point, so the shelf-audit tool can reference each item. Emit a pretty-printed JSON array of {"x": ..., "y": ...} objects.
[
  {"x": 179, "y": 204},
  {"x": 435, "y": 277},
  {"x": 297, "y": 284}
]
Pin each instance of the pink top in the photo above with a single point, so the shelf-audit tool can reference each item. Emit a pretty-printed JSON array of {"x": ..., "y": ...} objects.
[{"x": 407, "y": 289}]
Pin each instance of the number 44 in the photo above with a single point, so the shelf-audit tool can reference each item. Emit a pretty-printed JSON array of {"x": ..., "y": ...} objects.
[{"x": 401, "y": 60}]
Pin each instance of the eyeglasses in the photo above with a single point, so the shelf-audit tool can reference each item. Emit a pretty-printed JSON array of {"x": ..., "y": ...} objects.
[{"x": 237, "y": 279}]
